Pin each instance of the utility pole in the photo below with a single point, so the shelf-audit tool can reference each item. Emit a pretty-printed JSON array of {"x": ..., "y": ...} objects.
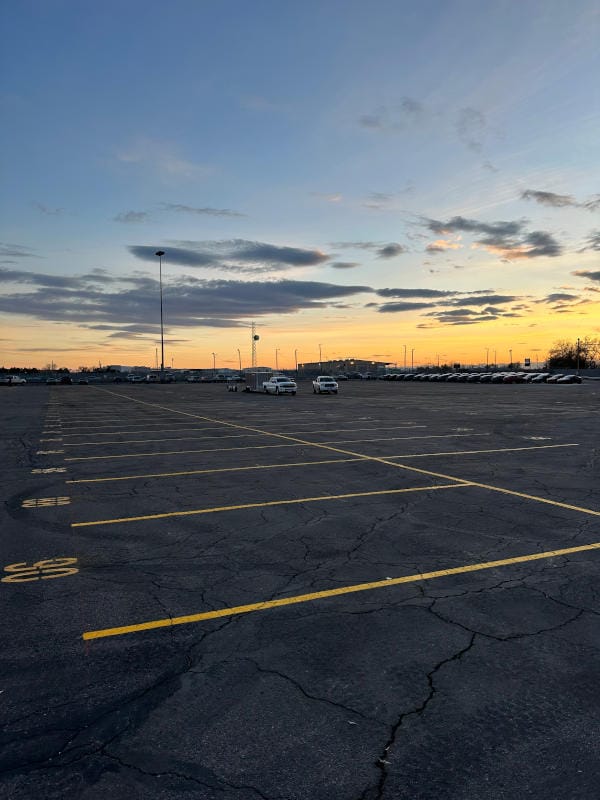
[
  {"x": 240, "y": 360},
  {"x": 255, "y": 338}
]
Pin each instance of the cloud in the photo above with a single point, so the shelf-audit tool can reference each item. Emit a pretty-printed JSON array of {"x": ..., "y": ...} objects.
[
  {"x": 233, "y": 255},
  {"x": 390, "y": 250},
  {"x": 161, "y": 157},
  {"x": 187, "y": 302},
  {"x": 51, "y": 212},
  {"x": 558, "y": 297},
  {"x": 593, "y": 241},
  {"x": 442, "y": 245},
  {"x": 205, "y": 211},
  {"x": 415, "y": 293},
  {"x": 394, "y": 308},
  {"x": 397, "y": 116},
  {"x": 16, "y": 251},
  {"x": 335, "y": 197},
  {"x": 590, "y": 275},
  {"x": 344, "y": 264},
  {"x": 471, "y": 126},
  {"x": 131, "y": 217},
  {"x": 506, "y": 238},
  {"x": 560, "y": 200}
]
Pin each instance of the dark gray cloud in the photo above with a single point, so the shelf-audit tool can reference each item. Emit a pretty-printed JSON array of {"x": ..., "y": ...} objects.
[
  {"x": 484, "y": 300},
  {"x": 344, "y": 264},
  {"x": 390, "y": 250},
  {"x": 50, "y": 212},
  {"x": 415, "y": 293},
  {"x": 15, "y": 251},
  {"x": 592, "y": 242},
  {"x": 549, "y": 198},
  {"x": 558, "y": 297},
  {"x": 174, "y": 255},
  {"x": 236, "y": 255},
  {"x": 507, "y": 238},
  {"x": 187, "y": 302},
  {"x": 131, "y": 217},
  {"x": 561, "y": 200},
  {"x": 585, "y": 273},
  {"x": 394, "y": 308},
  {"x": 206, "y": 211}
]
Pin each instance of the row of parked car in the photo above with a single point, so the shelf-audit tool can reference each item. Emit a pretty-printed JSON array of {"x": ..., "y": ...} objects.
[{"x": 484, "y": 377}]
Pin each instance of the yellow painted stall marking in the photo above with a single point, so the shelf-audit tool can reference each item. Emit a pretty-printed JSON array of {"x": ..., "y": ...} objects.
[
  {"x": 48, "y": 452},
  {"x": 44, "y": 502},
  {"x": 338, "y": 591},
  {"x": 41, "y": 570},
  {"x": 48, "y": 470},
  {"x": 266, "y": 504},
  {"x": 376, "y": 459}
]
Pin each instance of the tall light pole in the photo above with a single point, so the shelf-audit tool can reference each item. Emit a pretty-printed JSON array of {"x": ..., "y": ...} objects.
[
  {"x": 320, "y": 359},
  {"x": 296, "y": 360},
  {"x": 214, "y": 355},
  {"x": 160, "y": 254},
  {"x": 510, "y": 353},
  {"x": 487, "y": 357},
  {"x": 240, "y": 360},
  {"x": 276, "y": 359},
  {"x": 412, "y": 358},
  {"x": 404, "y": 356}
]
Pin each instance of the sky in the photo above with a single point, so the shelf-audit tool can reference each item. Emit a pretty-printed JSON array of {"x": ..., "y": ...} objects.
[{"x": 386, "y": 180}]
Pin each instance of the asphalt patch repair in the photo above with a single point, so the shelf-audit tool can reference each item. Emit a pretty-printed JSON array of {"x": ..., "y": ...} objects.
[{"x": 389, "y": 593}]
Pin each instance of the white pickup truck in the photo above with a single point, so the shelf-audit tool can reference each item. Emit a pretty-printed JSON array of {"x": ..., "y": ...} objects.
[
  {"x": 325, "y": 383},
  {"x": 279, "y": 384}
]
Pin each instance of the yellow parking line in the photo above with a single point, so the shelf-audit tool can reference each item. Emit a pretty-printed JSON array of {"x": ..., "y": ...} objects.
[
  {"x": 338, "y": 591},
  {"x": 211, "y": 471},
  {"x": 307, "y": 464},
  {"x": 378, "y": 459},
  {"x": 262, "y": 446},
  {"x": 266, "y": 504},
  {"x": 179, "y": 452},
  {"x": 241, "y": 436}
]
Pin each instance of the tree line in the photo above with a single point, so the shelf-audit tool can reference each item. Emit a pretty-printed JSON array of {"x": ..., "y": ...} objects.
[{"x": 580, "y": 354}]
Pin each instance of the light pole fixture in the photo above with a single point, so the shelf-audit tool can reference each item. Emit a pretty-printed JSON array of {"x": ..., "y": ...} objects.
[
  {"x": 296, "y": 360},
  {"x": 240, "y": 360},
  {"x": 510, "y": 353},
  {"x": 487, "y": 357},
  {"x": 276, "y": 359},
  {"x": 160, "y": 254},
  {"x": 320, "y": 359},
  {"x": 214, "y": 355},
  {"x": 404, "y": 356},
  {"x": 412, "y": 358}
]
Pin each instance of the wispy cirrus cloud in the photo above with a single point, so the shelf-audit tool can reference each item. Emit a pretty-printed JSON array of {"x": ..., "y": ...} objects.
[
  {"x": 204, "y": 211},
  {"x": 161, "y": 157},
  {"x": 131, "y": 217}
]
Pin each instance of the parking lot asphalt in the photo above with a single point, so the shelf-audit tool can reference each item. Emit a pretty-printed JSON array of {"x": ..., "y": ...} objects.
[{"x": 388, "y": 593}]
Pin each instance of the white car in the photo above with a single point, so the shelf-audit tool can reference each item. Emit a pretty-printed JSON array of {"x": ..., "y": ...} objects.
[
  {"x": 280, "y": 384},
  {"x": 12, "y": 380},
  {"x": 325, "y": 383}
]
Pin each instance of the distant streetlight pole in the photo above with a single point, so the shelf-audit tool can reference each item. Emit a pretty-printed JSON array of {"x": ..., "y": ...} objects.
[
  {"x": 412, "y": 358},
  {"x": 214, "y": 355},
  {"x": 296, "y": 360},
  {"x": 320, "y": 359},
  {"x": 240, "y": 360},
  {"x": 510, "y": 353},
  {"x": 495, "y": 359},
  {"x": 160, "y": 254},
  {"x": 487, "y": 357},
  {"x": 276, "y": 359},
  {"x": 404, "y": 356}
]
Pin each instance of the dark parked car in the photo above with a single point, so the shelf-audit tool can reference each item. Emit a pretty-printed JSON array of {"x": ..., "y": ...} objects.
[{"x": 570, "y": 379}]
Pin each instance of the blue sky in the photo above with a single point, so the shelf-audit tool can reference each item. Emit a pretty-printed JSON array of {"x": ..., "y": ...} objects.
[{"x": 312, "y": 166}]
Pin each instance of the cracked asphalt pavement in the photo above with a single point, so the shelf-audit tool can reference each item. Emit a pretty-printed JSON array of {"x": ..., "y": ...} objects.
[{"x": 387, "y": 594}]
